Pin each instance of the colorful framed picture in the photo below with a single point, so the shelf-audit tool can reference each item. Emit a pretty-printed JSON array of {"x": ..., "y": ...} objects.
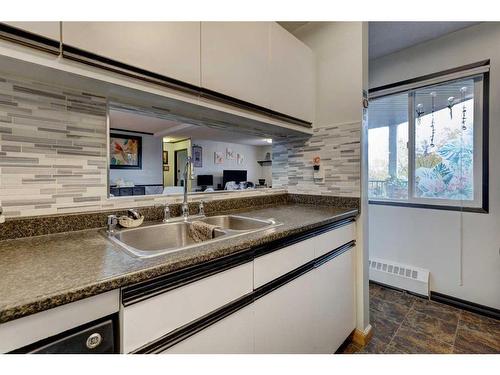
[
  {"x": 197, "y": 156},
  {"x": 125, "y": 151},
  {"x": 218, "y": 157},
  {"x": 165, "y": 157}
]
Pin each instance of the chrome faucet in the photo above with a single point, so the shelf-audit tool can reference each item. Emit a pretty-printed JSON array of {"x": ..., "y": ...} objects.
[
  {"x": 201, "y": 209},
  {"x": 112, "y": 222},
  {"x": 187, "y": 171}
]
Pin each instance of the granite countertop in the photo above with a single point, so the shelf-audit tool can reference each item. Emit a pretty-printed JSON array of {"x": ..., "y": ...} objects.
[{"x": 38, "y": 273}]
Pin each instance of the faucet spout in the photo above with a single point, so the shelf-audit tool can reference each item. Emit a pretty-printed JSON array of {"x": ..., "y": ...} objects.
[{"x": 187, "y": 171}]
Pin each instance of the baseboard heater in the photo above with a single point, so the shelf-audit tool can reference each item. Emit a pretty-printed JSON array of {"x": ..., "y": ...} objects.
[{"x": 401, "y": 276}]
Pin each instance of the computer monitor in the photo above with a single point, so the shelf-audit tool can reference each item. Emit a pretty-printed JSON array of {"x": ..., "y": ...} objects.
[
  {"x": 233, "y": 175},
  {"x": 205, "y": 180}
]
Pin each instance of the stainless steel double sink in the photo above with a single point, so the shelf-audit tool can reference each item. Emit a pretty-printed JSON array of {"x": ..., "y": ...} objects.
[{"x": 161, "y": 239}]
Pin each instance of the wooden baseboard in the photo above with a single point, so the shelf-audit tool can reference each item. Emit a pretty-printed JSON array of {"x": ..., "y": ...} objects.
[{"x": 362, "y": 338}]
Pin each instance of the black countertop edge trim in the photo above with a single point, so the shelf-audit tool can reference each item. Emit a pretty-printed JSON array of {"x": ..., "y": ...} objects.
[
  {"x": 478, "y": 210},
  {"x": 150, "y": 288},
  {"x": 466, "y": 305},
  {"x": 287, "y": 241},
  {"x": 191, "y": 328},
  {"x": 430, "y": 76},
  {"x": 99, "y": 61},
  {"x": 13, "y": 34}
]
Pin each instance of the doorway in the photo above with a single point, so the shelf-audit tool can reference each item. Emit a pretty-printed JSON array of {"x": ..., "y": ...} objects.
[{"x": 180, "y": 158}]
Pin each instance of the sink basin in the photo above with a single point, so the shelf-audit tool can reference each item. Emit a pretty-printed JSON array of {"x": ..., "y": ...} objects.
[
  {"x": 156, "y": 240},
  {"x": 237, "y": 223}
]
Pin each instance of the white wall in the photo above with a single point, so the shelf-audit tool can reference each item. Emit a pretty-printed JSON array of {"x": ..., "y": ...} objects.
[
  {"x": 250, "y": 153},
  {"x": 266, "y": 171},
  {"x": 151, "y": 172},
  {"x": 431, "y": 238},
  {"x": 341, "y": 50}
]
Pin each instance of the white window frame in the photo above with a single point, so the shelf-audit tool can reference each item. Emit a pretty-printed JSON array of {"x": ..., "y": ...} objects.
[{"x": 479, "y": 203}]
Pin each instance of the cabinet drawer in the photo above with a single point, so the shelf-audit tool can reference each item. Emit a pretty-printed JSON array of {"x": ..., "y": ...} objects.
[
  {"x": 335, "y": 238},
  {"x": 270, "y": 266},
  {"x": 231, "y": 335},
  {"x": 146, "y": 321}
]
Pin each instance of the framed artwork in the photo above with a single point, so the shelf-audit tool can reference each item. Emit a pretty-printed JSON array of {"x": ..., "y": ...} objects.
[
  {"x": 240, "y": 158},
  {"x": 166, "y": 168},
  {"x": 218, "y": 157},
  {"x": 125, "y": 151},
  {"x": 165, "y": 157},
  {"x": 197, "y": 156},
  {"x": 229, "y": 154}
]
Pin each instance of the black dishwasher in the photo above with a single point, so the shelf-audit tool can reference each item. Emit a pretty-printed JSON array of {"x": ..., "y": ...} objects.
[{"x": 98, "y": 337}]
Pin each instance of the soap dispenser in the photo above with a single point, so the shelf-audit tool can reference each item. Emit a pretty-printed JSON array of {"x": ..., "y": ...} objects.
[{"x": 318, "y": 173}]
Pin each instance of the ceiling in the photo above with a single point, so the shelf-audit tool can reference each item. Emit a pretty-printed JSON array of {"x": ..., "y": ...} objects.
[
  {"x": 393, "y": 109},
  {"x": 388, "y": 37},
  {"x": 292, "y": 25},
  {"x": 176, "y": 130}
]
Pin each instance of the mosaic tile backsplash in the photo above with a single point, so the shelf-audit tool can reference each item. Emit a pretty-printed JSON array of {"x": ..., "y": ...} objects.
[
  {"x": 53, "y": 155},
  {"x": 339, "y": 148}
]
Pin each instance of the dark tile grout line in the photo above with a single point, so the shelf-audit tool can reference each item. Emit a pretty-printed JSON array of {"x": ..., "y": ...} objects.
[
  {"x": 397, "y": 330},
  {"x": 456, "y": 331},
  {"x": 416, "y": 328},
  {"x": 411, "y": 308}
]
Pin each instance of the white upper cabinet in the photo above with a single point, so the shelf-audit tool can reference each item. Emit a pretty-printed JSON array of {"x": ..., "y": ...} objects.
[
  {"x": 260, "y": 63},
  {"x": 292, "y": 66},
  {"x": 256, "y": 62},
  {"x": 43, "y": 28},
  {"x": 235, "y": 60},
  {"x": 171, "y": 49}
]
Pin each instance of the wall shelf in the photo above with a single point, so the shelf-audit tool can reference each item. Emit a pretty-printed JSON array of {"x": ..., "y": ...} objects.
[{"x": 265, "y": 162}]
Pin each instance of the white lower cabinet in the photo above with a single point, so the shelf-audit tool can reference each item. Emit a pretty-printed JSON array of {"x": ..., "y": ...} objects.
[
  {"x": 284, "y": 318},
  {"x": 148, "y": 320},
  {"x": 311, "y": 314},
  {"x": 334, "y": 302},
  {"x": 301, "y": 301},
  {"x": 231, "y": 335}
]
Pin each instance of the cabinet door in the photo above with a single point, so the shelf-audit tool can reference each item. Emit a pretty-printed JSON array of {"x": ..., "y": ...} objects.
[
  {"x": 273, "y": 265},
  {"x": 235, "y": 60},
  {"x": 284, "y": 318},
  {"x": 231, "y": 335},
  {"x": 146, "y": 321},
  {"x": 171, "y": 49},
  {"x": 334, "y": 302},
  {"x": 43, "y": 28},
  {"x": 292, "y": 66}
]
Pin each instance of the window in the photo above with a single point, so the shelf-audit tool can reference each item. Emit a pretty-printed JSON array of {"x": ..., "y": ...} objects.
[{"x": 425, "y": 145}]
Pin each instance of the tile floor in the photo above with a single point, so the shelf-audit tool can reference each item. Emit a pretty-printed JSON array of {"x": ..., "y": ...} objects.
[{"x": 405, "y": 324}]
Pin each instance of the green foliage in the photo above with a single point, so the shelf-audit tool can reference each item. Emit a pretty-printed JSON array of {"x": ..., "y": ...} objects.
[{"x": 427, "y": 161}]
